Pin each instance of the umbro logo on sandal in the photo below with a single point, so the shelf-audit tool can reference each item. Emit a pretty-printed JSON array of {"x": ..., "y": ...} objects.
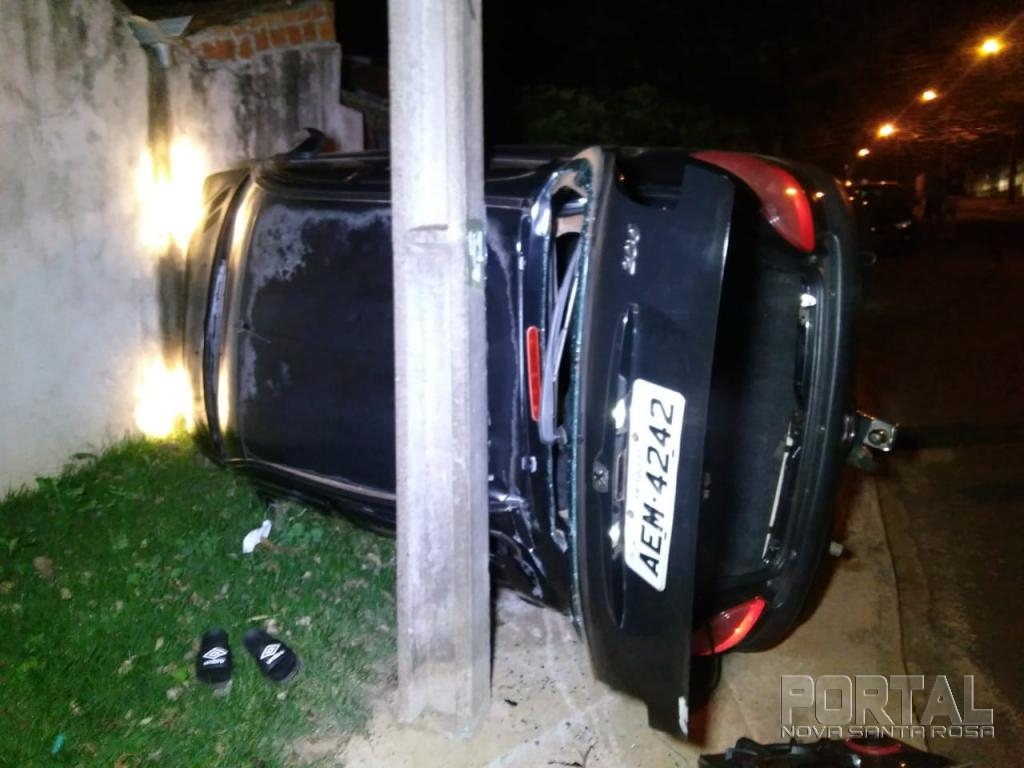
[
  {"x": 214, "y": 656},
  {"x": 271, "y": 653}
]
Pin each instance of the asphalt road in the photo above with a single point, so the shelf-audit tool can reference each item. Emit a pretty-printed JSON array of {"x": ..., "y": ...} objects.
[{"x": 942, "y": 353}]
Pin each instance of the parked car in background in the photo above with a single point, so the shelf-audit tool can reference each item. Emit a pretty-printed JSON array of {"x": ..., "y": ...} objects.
[
  {"x": 670, "y": 340},
  {"x": 884, "y": 212}
]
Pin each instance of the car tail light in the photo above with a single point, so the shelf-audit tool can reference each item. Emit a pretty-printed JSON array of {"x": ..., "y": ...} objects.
[
  {"x": 726, "y": 629},
  {"x": 784, "y": 202},
  {"x": 533, "y": 369},
  {"x": 883, "y": 748}
]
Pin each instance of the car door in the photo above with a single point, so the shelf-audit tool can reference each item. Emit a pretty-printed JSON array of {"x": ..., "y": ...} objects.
[{"x": 643, "y": 340}]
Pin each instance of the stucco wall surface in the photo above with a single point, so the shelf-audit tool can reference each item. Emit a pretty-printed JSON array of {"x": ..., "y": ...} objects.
[{"x": 102, "y": 155}]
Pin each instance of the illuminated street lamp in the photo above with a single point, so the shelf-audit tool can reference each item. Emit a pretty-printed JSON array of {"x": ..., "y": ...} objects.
[
  {"x": 993, "y": 46},
  {"x": 885, "y": 130},
  {"x": 990, "y": 46},
  {"x": 929, "y": 95},
  {"x": 863, "y": 152}
]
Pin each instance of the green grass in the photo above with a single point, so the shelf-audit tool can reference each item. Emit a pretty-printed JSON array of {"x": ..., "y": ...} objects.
[{"x": 97, "y": 662}]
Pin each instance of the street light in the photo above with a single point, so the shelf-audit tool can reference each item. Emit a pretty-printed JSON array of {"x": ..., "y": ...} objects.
[
  {"x": 929, "y": 95},
  {"x": 863, "y": 152},
  {"x": 885, "y": 130},
  {"x": 990, "y": 46}
]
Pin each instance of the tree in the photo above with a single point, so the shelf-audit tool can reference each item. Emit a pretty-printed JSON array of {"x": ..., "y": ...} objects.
[{"x": 638, "y": 115}]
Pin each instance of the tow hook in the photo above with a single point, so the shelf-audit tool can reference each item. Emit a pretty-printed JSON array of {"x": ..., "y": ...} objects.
[{"x": 865, "y": 436}]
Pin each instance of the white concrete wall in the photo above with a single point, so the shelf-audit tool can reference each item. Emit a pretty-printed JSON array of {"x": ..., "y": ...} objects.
[
  {"x": 231, "y": 122},
  {"x": 84, "y": 116},
  {"x": 77, "y": 306}
]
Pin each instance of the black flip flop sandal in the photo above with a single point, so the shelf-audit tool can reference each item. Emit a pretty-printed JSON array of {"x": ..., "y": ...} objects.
[
  {"x": 276, "y": 660},
  {"x": 213, "y": 662}
]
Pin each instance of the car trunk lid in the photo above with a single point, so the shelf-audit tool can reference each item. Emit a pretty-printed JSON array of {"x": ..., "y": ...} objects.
[{"x": 645, "y": 334}]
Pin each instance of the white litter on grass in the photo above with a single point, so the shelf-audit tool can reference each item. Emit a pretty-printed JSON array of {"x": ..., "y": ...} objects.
[{"x": 254, "y": 537}]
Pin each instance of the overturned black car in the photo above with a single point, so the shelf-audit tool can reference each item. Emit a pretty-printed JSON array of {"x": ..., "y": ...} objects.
[{"x": 669, "y": 351}]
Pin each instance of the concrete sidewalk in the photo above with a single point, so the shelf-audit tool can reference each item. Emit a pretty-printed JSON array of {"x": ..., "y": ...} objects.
[{"x": 548, "y": 710}]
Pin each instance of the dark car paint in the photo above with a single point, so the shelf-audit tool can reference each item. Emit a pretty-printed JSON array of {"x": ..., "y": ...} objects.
[
  {"x": 529, "y": 536},
  {"x": 670, "y": 304},
  {"x": 530, "y": 559}
]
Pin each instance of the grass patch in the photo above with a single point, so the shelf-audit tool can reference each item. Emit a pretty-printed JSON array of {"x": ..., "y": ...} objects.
[{"x": 110, "y": 573}]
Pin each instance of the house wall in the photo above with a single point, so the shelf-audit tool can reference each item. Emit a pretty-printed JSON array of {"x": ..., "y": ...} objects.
[{"x": 102, "y": 156}]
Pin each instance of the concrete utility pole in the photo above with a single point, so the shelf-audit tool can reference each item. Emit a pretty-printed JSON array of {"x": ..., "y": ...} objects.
[{"x": 440, "y": 358}]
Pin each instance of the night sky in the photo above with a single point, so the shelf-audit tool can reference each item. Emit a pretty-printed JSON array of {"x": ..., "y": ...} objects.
[{"x": 806, "y": 79}]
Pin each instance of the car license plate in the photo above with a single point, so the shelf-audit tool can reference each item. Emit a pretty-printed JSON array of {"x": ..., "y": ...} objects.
[{"x": 652, "y": 461}]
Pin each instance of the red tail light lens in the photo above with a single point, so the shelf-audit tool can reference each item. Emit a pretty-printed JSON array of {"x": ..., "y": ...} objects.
[
  {"x": 783, "y": 200},
  {"x": 727, "y": 628},
  {"x": 875, "y": 750},
  {"x": 533, "y": 369}
]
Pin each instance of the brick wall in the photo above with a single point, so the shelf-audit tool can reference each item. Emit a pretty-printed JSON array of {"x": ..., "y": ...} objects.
[{"x": 299, "y": 25}]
